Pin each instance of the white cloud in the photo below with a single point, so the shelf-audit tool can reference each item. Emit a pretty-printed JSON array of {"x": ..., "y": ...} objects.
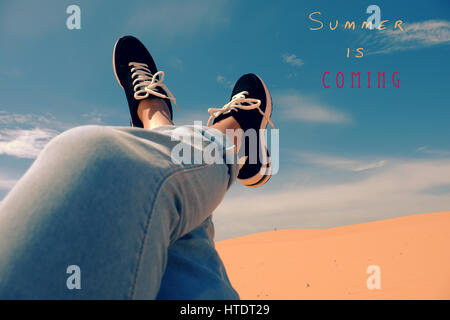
[
  {"x": 94, "y": 117},
  {"x": 342, "y": 163},
  {"x": 296, "y": 107},
  {"x": 176, "y": 63},
  {"x": 292, "y": 59},
  {"x": 30, "y": 120},
  {"x": 396, "y": 189},
  {"x": 425, "y": 149},
  {"x": 25, "y": 135},
  {"x": 224, "y": 81},
  {"x": 6, "y": 184},
  {"x": 24, "y": 143},
  {"x": 180, "y": 18},
  {"x": 416, "y": 35}
]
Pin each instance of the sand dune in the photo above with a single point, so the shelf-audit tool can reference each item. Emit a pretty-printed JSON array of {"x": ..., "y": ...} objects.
[{"x": 412, "y": 253}]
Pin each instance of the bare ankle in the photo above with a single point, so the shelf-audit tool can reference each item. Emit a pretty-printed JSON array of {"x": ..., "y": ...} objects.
[
  {"x": 153, "y": 113},
  {"x": 231, "y": 128}
]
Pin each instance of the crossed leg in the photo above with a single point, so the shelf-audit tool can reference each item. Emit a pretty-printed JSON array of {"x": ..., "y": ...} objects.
[{"x": 111, "y": 201}]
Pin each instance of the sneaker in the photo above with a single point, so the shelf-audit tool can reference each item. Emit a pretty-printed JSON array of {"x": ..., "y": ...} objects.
[
  {"x": 251, "y": 107},
  {"x": 137, "y": 74}
]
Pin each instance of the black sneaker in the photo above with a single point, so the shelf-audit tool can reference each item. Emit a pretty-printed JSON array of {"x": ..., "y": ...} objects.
[
  {"x": 251, "y": 106},
  {"x": 136, "y": 72}
]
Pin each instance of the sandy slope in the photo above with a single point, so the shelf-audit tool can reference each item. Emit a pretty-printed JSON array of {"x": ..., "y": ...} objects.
[{"x": 413, "y": 254}]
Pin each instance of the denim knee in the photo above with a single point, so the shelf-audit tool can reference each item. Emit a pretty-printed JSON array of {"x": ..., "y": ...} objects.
[
  {"x": 84, "y": 141},
  {"x": 106, "y": 153}
]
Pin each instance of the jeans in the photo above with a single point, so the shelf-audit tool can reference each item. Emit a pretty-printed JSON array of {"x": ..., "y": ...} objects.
[{"x": 111, "y": 201}]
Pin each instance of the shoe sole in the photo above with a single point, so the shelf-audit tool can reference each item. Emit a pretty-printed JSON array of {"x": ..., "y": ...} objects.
[
  {"x": 260, "y": 179},
  {"x": 114, "y": 63}
]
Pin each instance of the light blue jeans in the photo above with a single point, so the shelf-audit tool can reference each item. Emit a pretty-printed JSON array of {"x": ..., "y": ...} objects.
[{"x": 111, "y": 201}]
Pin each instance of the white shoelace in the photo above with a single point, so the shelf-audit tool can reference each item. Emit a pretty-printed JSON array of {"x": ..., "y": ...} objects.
[
  {"x": 235, "y": 103},
  {"x": 145, "y": 83}
]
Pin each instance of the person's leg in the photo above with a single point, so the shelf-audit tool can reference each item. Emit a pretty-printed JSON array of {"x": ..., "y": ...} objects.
[
  {"x": 154, "y": 112},
  {"x": 231, "y": 128},
  {"x": 109, "y": 200},
  {"x": 194, "y": 269},
  {"x": 138, "y": 75}
]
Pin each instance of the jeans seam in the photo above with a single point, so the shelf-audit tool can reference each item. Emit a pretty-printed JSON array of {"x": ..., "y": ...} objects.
[{"x": 149, "y": 217}]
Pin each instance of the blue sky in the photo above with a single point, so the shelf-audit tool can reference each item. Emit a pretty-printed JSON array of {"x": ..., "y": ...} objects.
[{"x": 347, "y": 155}]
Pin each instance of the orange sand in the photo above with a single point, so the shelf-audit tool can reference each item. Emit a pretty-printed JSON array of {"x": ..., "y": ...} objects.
[{"x": 413, "y": 254}]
